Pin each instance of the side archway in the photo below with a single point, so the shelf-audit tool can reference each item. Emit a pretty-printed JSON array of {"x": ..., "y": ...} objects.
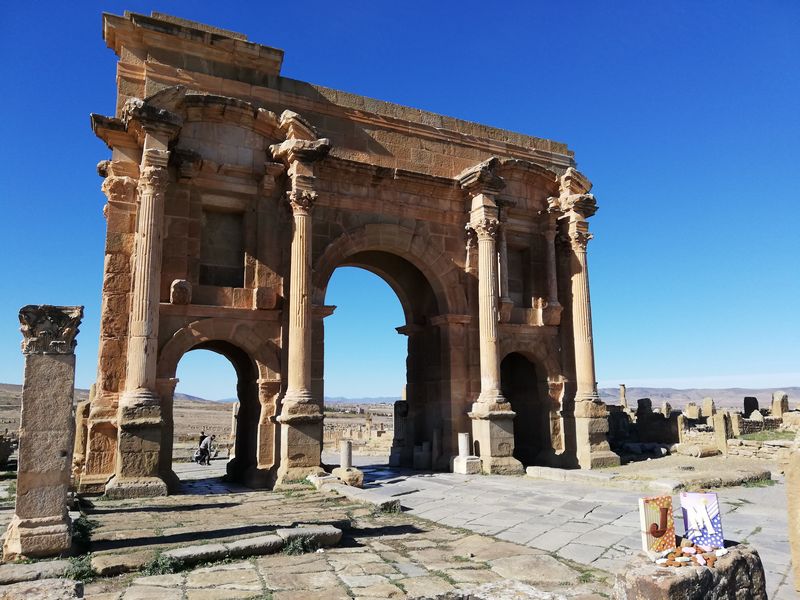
[{"x": 258, "y": 387}]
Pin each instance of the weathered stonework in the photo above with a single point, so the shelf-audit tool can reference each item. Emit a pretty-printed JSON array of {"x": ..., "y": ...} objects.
[
  {"x": 233, "y": 195},
  {"x": 41, "y": 525}
]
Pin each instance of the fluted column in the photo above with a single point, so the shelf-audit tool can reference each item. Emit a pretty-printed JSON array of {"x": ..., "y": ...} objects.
[
  {"x": 143, "y": 329},
  {"x": 550, "y": 266},
  {"x": 299, "y": 367},
  {"x": 488, "y": 314},
  {"x": 301, "y": 412},
  {"x": 143, "y": 464},
  {"x": 582, "y": 313}
]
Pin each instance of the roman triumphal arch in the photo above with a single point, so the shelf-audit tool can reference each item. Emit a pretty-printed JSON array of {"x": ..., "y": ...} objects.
[{"x": 233, "y": 194}]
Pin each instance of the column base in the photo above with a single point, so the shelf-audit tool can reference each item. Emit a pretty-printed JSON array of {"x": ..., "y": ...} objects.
[
  {"x": 466, "y": 465},
  {"x": 591, "y": 434},
  {"x": 37, "y": 538},
  {"x": 93, "y": 484},
  {"x": 136, "y": 487},
  {"x": 296, "y": 474},
  {"x": 493, "y": 438}
]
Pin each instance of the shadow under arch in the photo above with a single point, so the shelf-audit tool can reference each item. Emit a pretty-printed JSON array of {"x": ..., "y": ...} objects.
[
  {"x": 258, "y": 387},
  {"x": 422, "y": 280}
]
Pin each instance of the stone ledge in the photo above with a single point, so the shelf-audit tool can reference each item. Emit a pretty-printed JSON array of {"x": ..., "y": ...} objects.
[
  {"x": 372, "y": 498},
  {"x": 43, "y": 589}
]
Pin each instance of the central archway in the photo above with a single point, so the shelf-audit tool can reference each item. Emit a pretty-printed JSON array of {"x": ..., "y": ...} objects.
[{"x": 422, "y": 420}]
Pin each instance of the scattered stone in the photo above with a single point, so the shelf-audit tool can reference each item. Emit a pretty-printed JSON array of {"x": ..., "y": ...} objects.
[
  {"x": 323, "y": 535},
  {"x": 46, "y": 569},
  {"x": 107, "y": 565},
  {"x": 43, "y": 589}
]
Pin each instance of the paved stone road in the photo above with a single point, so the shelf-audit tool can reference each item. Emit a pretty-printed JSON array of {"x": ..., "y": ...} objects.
[{"x": 593, "y": 526}]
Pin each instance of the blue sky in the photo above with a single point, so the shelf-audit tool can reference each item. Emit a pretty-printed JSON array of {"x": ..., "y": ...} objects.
[{"x": 683, "y": 114}]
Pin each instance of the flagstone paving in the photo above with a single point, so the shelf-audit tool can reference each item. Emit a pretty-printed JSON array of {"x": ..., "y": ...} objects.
[
  {"x": 501, "y": 535},
  {"x": 594, "y": 526},
  {"x": 380, "y": 556}
]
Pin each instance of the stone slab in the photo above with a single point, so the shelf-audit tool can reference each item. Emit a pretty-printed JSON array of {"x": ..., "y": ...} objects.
[{"x": 16, "y": 572}]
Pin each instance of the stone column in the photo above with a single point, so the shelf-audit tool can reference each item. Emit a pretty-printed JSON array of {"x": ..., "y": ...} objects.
[
  {"x": 793, "y": 496},
  {"x": 41, "y": 525},
  {"x": 591, "y": 416},
  {"x": 550, "y": 266},
  {"x": 505, "y": 302},
  {"x": 492, "y": 417},
  {"x": 139, "y": 416},
  {"x": 301, "y": 413},
  {"x": 488, "y": 314}
]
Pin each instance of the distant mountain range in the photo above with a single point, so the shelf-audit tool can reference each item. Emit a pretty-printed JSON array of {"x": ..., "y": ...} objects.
[
  {"x": 727, "y": 397},
  {"x": 678, "y": 398}
]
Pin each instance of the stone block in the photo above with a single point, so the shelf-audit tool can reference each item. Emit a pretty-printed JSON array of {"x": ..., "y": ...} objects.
[
  {"x": 43, "y": 589},
  {"x": 739, "y": 574},
  {"x": 324, "y": 535},
  {"x": 692, "y": 411},
  {"x": 350, "y": 476},
  {"x": 256, "y": 546},
  {"x": 466, "y": 465}
]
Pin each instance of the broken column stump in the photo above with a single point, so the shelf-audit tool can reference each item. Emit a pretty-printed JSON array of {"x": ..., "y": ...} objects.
[
  {"x": 41, "y": 524},
  {"x": 739, "y": 574}
]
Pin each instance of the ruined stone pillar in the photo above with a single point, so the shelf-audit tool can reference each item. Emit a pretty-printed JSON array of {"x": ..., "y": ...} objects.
[
  {"x": 139, "y": 416},
  {"x": 41, "y": 524},
  {"x": 301, "y": 413},
  {"x": 492, "y": 417},
  {"x": 793, "y": 496}
]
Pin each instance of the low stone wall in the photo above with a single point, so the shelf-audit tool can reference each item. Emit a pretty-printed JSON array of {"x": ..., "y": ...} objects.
[
  {"x": 754, "y": 425},
  {"x": 739, "y": 574},
  {"x": 774, "y": 450}
]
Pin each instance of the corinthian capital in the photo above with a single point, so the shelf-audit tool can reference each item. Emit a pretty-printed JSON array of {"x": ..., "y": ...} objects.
[
  {"x": 486, "y": 228},
  {"x": 580, "y": 239},
  {"x": 154, "y": 179},
  {"x": 49, "y": 329},
  {"x": 301, "y": 201},
  {"x": 119, "y": 189}
]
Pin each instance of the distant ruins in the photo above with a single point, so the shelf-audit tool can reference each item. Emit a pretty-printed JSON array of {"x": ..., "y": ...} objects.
[
  {"x": 233, "y": 194},
  {"x": 702, "y": 430}
]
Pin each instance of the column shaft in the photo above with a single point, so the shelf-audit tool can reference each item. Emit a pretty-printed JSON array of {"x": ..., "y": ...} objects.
[
  {"x": 487, "y": 312},
  {"x": 143, "y": 329},
  {"x": 550, "y": 267},
  {"x": 582, "y": 320},
  {"x": 299, "y": 367}
]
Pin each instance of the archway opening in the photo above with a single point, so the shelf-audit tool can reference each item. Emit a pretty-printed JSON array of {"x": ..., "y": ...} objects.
[
  {"x": 420, "y": 416},
  {"x": 365, "y": 365},
  {"x": 520, "y": 385},
  {"x": 216, "y": 395}
]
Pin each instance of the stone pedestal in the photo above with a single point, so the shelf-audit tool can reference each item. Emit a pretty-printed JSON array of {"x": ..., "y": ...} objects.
[
  {"x": 494, "y": 442},
  {"x": 591, "y": 432},
  {"x": 465, "y": 463},
  {"x": 346, "y": 473},
  {"x": 41, "y": 525},
  {"x": 793, "y": 496}
]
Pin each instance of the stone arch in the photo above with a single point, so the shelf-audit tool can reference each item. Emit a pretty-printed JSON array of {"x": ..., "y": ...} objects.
[
  {"x": 439, "y": 270},
  {"x": 539, "y": 424},
  {"x": 427, "y": 283},
  {"x": 257, "y": 367}
]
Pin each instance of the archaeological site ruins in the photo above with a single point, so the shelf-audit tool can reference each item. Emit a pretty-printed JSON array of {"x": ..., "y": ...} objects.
[{"x": 233, "y": 194}]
